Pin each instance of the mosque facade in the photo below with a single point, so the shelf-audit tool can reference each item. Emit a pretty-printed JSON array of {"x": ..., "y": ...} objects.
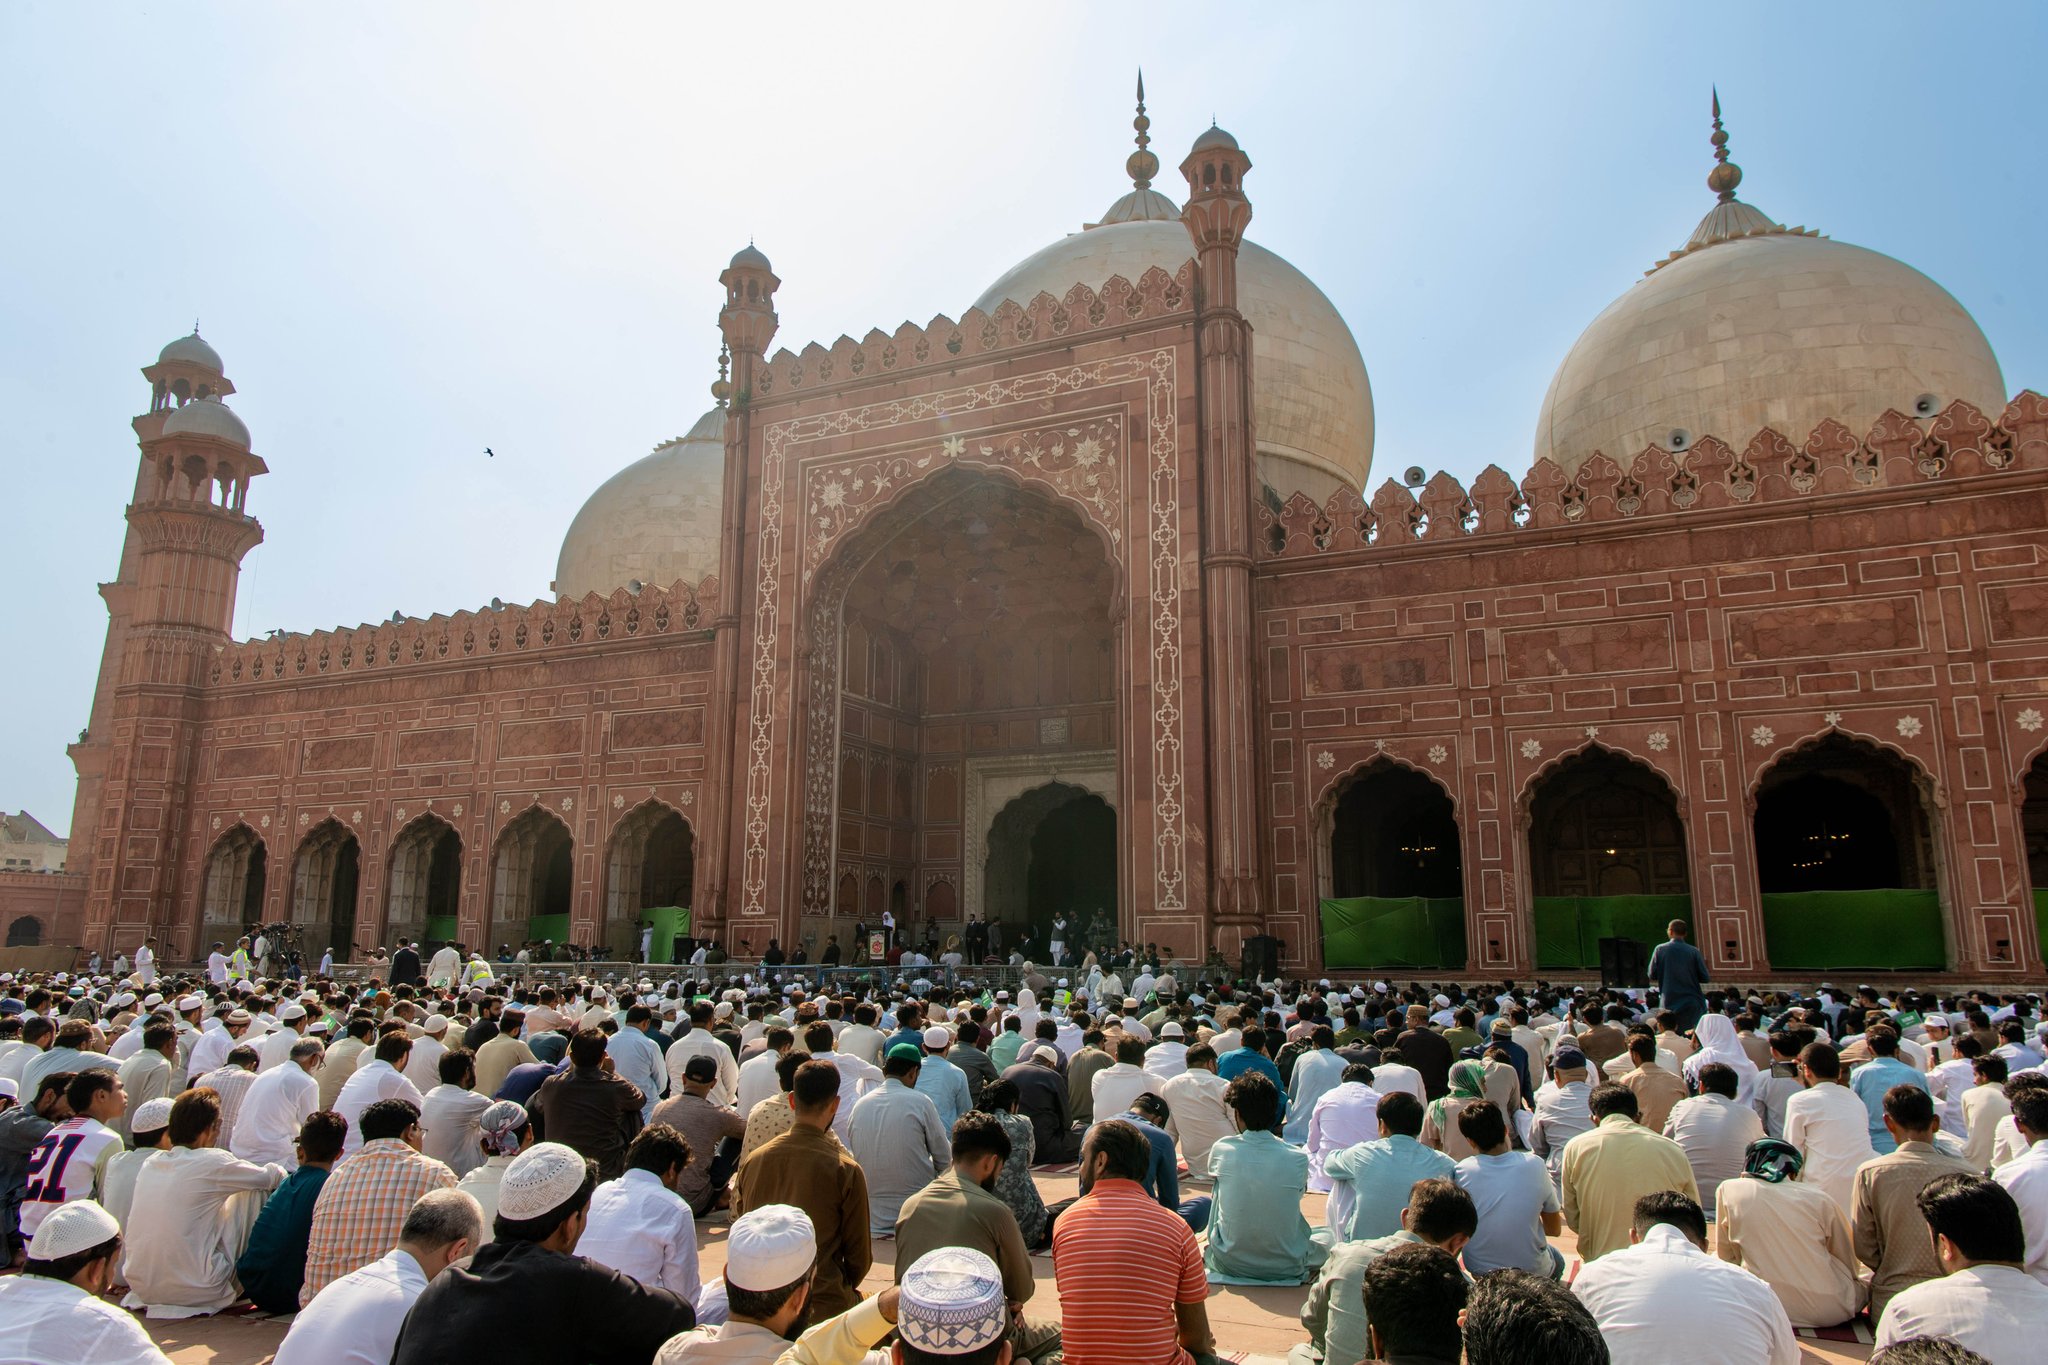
[{"x": 1085, "y": 604}]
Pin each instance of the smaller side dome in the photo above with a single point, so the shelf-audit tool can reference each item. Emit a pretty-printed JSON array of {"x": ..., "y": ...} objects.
[
  {"x": 192, "y": 350},
  {"x": 655, "y": 522},
  {"x": 207, "y": 417},
  {"x": 749, "y": 257},
  {"x": 1215, "y": 137}
]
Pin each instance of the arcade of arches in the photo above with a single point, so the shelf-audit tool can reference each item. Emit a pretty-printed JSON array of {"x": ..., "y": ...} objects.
[{"x": 977, "y": 621}]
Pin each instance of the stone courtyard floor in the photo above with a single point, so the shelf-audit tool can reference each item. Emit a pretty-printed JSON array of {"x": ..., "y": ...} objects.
[{"x": 1253, "y": 1326}]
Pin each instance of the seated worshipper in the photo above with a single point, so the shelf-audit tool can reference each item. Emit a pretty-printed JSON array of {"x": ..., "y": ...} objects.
[
  {"x": 1663, "y": 1299},
  {"x": 272, "y": 1267},
  {"x": 941, "y": 1081},
  {"x": 22, "y": 1129},
  {"x": 1791, "y": 1236},
  {"x": 958, "y": 1209},
  {"x": 1426, "y": 1050},
  {"x": 1776, "y": 1087},
  {"x": 1169, "y": 1056},
  {"x": 772, "y": 1116},
  {"x": 1984, "y": 1300},
  {"x": 1250, "y": 1055},
  {"x": 1392, "y": 1073},
  {"x": 1114, "y": 1087},
  {"x": 1195, "y": 1100},
  {"x": 1131, "y": 1284},
  {"x": 528, "y": 1295},
  {"x": 1515, "y": 1319},
  {"x": 1714, "y": 1130},
  {"x": 757, "y": 1074},
  {"x": 1657, "y": 1091},
  {"x": 380, "y": 1078},
  {"x": 267, "y": 1129},
  {"x": 1042, "y": 1098},
  {"x": 712, "y": 1131},
  {"x": 1562, "y": 1110},
  {"x": 448, "y": 1117},
  {"x": 1440, "y": 1125},
  {"x": 1984, "y": 1106},
  {"x": 1346, "y": 1115},
  {"x": 1413, "y": 1298},
  {"x": 507, "y": 1131},
  {"x": 640, "y": 1224},
  {"x": 1014, "y": 1185},
  {"x": 356, "y": 1218},
  {"x": 2025, "y": 1177},
  {"x": 856, "y": 1077},
  {"x": 73, "y": 1158},
  {"x": 194, "y": 1206},
  {"x": 56, "y": 1309},
  {"x": 1720, "y": 1043},
  {"x": 772, "y": 1246},
  {"x": 496, "y": 1057},
  {"x": 1884, "y": 1070},
  {"x": 1256, "y": 1233},
  {"x": 1316, "y": 1073},
  {"x": 1606, "y": 1171},
  {"x": 1891, "y": 1235},
  {"x": 948, "y": 1310},
  {"x": 355, "y": 1320},
  {"x": 1439, "y": 1214},
  {"x": 589, "y": 1109},
  {"x": 1829, "y": 1126},
  {"x": 807, "y": 1168},
  {"x": 152, "y": 1071},
  {"x": 1369, "y": 1182},
  {"x": 151, "y": 1132},
  {"x": 1517, "y": 1204},
  {"x": 896, "y": 1137}
]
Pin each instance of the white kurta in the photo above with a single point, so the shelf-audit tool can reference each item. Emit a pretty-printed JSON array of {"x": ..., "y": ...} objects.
[
  {"x": 355, "y": 1320},
  {"x": 448, "y": 1127},
  {"x": 640, "y": 1227},
  {"x": 1664, "y": 1300},
  {"x": 267, "y": 1128},
  {"x": 42, "y": 1319},
  {"x": 191, "y": 1215},
  {"x": 1343, "y": 1117},
  {"x": 1830, "y": 1126},
  {"x": 372, "y": 1081}
]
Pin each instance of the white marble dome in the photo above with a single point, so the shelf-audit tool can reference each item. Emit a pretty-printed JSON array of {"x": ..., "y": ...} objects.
[
  {"x": 193, "y": 351},
  {"x": 207, "y": 417},
  {"x": 1751, "y": 324},
  {"x": 656, "y": 521},
  {"x": 1312, "y": 402}
]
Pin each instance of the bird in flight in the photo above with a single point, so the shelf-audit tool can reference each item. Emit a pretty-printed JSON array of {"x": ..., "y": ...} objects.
[{"x": 492, "y": 453}]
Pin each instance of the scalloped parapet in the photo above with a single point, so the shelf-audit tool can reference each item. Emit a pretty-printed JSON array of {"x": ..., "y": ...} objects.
[
  {"x": 1958, "y": 442},
  {"x": 1012, "y": 325},
  {"x": 493, "y": 631}
]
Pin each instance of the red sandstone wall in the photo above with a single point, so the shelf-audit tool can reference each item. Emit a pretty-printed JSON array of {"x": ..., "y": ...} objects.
[{"x": 55, "y": 899}]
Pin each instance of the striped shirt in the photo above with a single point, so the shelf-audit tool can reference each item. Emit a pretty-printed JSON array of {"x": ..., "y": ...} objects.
[
  {"x": 1122, "y": 1263},
  {"x": 363, "y": 1205}
]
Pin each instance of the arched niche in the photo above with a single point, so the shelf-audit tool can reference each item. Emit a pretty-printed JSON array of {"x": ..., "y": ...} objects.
[
  {"x": 532, "y": 877},
  {"x": 424, "y": 885},
  {"x": 652, "y": 862},
  {"x": 231, "y": 895},
  {"x": 325, "y": 876}
]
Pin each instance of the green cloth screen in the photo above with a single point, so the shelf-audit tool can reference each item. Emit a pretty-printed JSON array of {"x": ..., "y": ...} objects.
[
  {"x": 1372, "y": 931},
  {"x": 440, "y": 929},
  {"x": 555, "y": 927},
  {"x": 1818, "y": 931},
  {"x": 1569, "y": 928},
  {"x": 669, "y": 921}
]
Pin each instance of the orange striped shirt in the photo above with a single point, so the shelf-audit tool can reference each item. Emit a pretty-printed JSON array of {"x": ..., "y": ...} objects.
[{"x": 1123, "y": 1261}]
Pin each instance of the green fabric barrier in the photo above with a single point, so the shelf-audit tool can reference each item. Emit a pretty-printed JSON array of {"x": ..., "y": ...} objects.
[
  {"x": 555, "y": 927},
  {"x": 669, "y": 921},
  {"x": 440, "y": 929},
  {"x": 1821, "y": 931},
  {"x": 1374, "y": 931},
  {"x": 1569, "y": 928}
]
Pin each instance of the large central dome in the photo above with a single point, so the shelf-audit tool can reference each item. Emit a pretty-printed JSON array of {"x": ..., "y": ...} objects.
[{"x": 1311, "y": 400}]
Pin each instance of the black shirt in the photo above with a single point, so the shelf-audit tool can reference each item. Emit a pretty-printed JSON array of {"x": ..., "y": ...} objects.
[
  {"x": 519, "y": 1301},
  {"x": 1430, "y": 1053},
  {"x": 405, "y": 968}
]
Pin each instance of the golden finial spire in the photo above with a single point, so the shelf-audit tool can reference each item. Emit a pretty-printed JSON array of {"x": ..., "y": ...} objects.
[
  {"x": 721, "y": 389},
  {"x": 1726, "y": 175},
  {"x": 1142, "y": 164}
]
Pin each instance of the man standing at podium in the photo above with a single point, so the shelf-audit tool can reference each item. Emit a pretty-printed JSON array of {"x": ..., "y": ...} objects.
[{"x": 1680, "y": 972}]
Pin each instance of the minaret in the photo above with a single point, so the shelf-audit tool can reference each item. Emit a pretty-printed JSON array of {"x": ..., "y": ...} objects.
[
  {"x": 748, "y": 324},
  {"x": 1216, "y": 215},
  {"x": 169, "y": 610}
]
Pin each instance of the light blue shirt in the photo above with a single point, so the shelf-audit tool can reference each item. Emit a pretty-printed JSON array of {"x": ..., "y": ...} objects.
[
  {"x": 637, "y": 1058},
  {"x": 947, "y": 1086},
  {"x": 1870, "y": 1081},
  {"x": 1378, "y": 1176},
  {"x": 1316, "y": 1074},
  {"x": 895, "y": 1136},
  {"x": 1256, "y": 1233},
  {"x": 1512, "y": 1192}
]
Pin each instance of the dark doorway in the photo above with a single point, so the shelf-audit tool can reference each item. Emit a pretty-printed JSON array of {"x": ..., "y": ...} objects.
[
  {"x": 426, "y": 882},
  {"x": 1394, "y": 835},
  {"x": 25, "y": 932},
  {"x": 1604, "y": 825},
  {"x": 1841, "y": 816},
  {"x": 653, "y": 863}
]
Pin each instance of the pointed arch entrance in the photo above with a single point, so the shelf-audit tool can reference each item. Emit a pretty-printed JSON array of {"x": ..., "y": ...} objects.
[
  {"x": 652, "y": 864},
  {"x": 231, "y": 898},
  {"x": 325, "y": 873},
  {"x": 425, "y": 891},
  {"x": 532, "y": 879},
  {"x": 1390, "y": 872},
  {"x": 1052, "y": 853},
  {"x": 1845, "y": 860},
  {"x": 1607, "y": 856}
]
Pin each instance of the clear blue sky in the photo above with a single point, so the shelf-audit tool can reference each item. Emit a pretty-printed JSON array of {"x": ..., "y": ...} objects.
[{"x": 414, "y": 231}]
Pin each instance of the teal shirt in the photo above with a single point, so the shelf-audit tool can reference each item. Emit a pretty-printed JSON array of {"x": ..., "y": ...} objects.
[
  {"x": 1870, "y": 1081},
  {"x": 273, "y": 1265},
  {"x": 1003, "y": 1051},
  {"x": 1256, "y": 1232},
  {"x": 1371, "y": 1183}
]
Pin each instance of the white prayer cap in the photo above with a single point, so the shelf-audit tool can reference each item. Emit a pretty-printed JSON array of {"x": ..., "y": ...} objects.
[
  {"x": 1050, "y": 1056},
  {"x": 9, "y": 1088},
  {"x": 291, "y": 1014},
  {"x": 320, "y": 1026},
  {"x": 540, "y": 1180},
  {"x": 1130, "y": 1002},
  {"x": 1443, "y": 1001},
  {"x": 152, "y": 1000},
  {"x": 151, "y": 1115},
  {"x": 937, "y": 1038},
  {"x": 436, "y": 1023},
  {"x": 722, "y": 1010},
  {"x": 190, "y": 1002},
  {"x": 770, "y": 1247},
  {"x": 74, "y": 1227},
  {"x": 952, "y": 1302},
  {"x": 1172, "y": 1029},
  {"x": 239, "y": 1017}
]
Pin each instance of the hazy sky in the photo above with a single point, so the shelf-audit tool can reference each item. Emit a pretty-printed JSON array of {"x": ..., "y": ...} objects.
[{"x": 414, "y": 231}]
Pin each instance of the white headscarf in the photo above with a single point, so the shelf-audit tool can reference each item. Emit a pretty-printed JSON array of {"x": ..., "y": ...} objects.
[
  {"x": 1718, "y": 1043},
  {"x": 1027, "y": 1012}
]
